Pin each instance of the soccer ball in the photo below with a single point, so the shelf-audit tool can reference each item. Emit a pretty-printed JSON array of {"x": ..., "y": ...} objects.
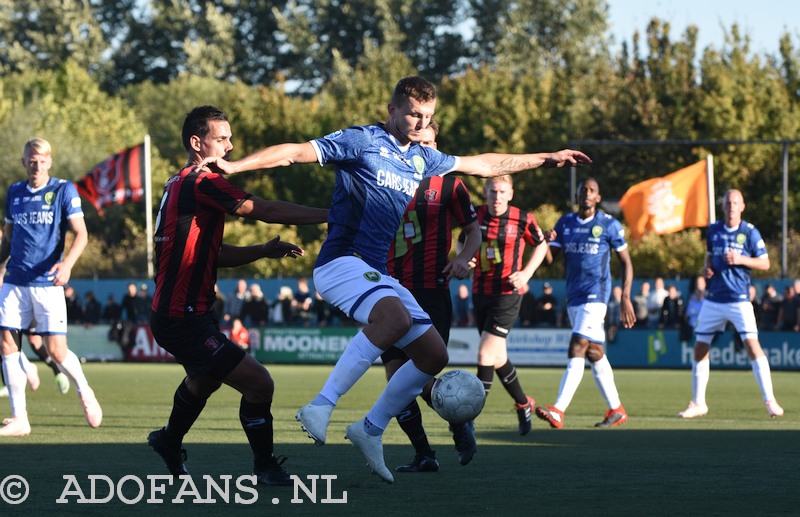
[{"x": 458, "y": 396}]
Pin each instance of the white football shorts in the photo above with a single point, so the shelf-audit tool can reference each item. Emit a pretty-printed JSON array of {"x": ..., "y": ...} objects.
[
  {"x": 714, "y": 316},
  {"x": 589, "y": 321},
  {"x": 355, "y": 287},
  {"x": 19, "y": 306}
]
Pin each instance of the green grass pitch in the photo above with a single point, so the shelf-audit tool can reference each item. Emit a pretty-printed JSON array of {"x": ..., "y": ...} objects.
[{"x": 734, "y": 461}]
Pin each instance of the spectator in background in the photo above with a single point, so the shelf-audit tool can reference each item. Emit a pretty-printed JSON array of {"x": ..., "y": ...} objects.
[
  {"x": 547, "y": 307},
  {"x": 613, "y": 313},
  {"x": 693, "y": 308},
  {"x": 74, "y": 307},
  {"x": 671, "y": 309},
  {"x": 235, "y": 302},
  {"x": 256, "y": 309},
  {"x": 130, "y": 306},
  {"x": 756, "y": 304},
  {"x": 640, "y": 305},
  {"x": 796, "y": 301},
  {"x": 144, "y": 304},
  {"x": 112, "y": 312},
  {"x": 787, "y": 314},
  {"x": 655, "y": 301},
  {"x": 770, "y": 307},
  {"x": 301, "y": 304},
  {"x": 240, "y": 335},
  {"x": 527, "y": 307},
  {"x": 463, "y": 307},
  {"x": 91, "y": 309},
  {"x": 323, "y": 311},
  {"x": 281, "y": 313}
]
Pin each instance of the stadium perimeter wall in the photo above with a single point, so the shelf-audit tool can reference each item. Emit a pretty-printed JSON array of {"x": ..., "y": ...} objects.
[{"x": 526, "y": 347}]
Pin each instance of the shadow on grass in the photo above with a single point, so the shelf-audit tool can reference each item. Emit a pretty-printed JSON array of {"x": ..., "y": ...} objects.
[{"x": 578, "y": 472}]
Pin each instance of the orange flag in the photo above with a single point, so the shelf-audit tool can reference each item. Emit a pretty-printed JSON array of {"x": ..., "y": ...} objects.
[{"x": 668, "y": 204}]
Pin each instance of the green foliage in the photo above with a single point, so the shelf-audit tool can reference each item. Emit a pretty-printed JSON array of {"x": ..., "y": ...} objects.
[
  {"x": 528, "y": 77},
  {"x": 319, "y": 32},
  {"x": 42, "y": 34},
  {"x": 673, "y": 255}
]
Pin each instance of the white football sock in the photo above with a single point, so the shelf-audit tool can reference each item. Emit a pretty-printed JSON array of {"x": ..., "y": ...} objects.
[
  {"x": 71, "y": 367},
  {"x": 763, "y": 377},
  {"x": 354, "y": 362},
  {"x": 404, "y": 386},
  {"x": 604, "y": 378},
  {"x": 16, "y": 380},
  {"x": 569, "y": 382},
  {"x": 701, "y": 371},
  {"x": 23, "y": 359}
]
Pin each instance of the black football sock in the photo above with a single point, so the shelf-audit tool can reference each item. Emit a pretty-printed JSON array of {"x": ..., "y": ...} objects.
[
  {"x": 486, "y": 375},
  {"x": 185, "y": 410},
  {"x": 508, "y": 376},
  {"x": 256, "y": 421},
  {"x": 41, "y": 352},
  {"x": 410, "y": 420}
]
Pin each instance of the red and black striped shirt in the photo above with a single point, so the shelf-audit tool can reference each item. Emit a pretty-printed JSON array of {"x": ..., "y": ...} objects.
[
  {"x": 422, "y": 244},
  {"x": 188, "y": 237},
  {"x": 503, "y": 245}
]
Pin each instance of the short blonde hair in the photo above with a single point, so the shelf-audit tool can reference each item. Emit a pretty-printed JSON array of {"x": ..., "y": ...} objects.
[
  {"x": 36, "y": 145},
  {"x": 505, "y": 178}
]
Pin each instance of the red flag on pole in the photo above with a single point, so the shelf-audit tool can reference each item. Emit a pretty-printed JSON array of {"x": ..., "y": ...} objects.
[{"x": 116, "y": 180}]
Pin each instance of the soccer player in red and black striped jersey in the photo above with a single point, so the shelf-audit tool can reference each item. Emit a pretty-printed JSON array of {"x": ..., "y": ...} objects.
[
  {"x": 499, "y": 274},
  {"x": 188, "y": 251},
  {"x": 419, "y": 259}
]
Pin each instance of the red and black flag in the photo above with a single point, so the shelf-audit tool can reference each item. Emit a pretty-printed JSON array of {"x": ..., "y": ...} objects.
[{"x": 116, "y": 180}]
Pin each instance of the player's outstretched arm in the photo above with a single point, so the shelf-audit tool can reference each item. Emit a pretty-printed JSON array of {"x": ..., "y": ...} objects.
[
  {"x": 234, "y": 256},
  {"x": 280, "y": 155},
  {"x": 282, "y": 212},
  {"x": 493, "y": 164}
]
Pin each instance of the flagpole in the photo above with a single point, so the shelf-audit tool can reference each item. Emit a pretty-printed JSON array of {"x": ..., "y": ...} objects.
[
  {"x": 785, "y": 212},
  {"x": 712, "y": 206},
  {"x": 148, "y": 206}
]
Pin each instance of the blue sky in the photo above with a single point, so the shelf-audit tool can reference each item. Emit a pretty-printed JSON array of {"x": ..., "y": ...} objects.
[{"x": 763, "y": 20}]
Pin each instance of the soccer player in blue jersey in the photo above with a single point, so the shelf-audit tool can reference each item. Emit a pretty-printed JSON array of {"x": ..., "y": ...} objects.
[
  {"x": 38, "y": 213},
  {"x": 378, "y": 169},
  {"x": 734, "y": 247},
  {"x": 586, "y": 238}
]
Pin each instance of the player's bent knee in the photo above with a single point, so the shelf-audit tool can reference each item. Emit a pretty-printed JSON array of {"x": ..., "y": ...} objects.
[{"x": 595, "y": 352}]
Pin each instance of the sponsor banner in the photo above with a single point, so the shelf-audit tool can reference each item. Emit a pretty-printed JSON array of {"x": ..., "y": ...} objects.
[
  {"x": 664, "y": 349},
  {"x": 145, "y": 349},
  {"x": 300, "y": 345},
  {"x": 526, "y": 347}
]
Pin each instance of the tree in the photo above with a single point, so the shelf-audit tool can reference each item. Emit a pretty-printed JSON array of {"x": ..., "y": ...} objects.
[
  {"x": 41, "y": 35},
  {"x": 316, "y": 30},
  {"x": 531, "y": 36}
]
